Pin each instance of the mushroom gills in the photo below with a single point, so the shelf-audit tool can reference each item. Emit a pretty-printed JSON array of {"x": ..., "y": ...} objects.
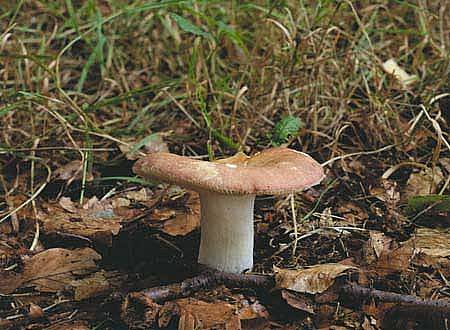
[{"x": 226, "y": 231}]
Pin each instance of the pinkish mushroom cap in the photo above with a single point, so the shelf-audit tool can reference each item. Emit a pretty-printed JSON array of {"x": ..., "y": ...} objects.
[
  {"x": 274, "y": 171},
  {"x": 227, "y": 190}
]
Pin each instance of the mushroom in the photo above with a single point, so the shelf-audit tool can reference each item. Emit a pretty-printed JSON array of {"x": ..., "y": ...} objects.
[{"x": 227, "y": 190}]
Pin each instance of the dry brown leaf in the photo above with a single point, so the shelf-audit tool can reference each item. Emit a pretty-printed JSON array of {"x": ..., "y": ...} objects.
[
  {"x": 35, "y": 311},
  {"x": 141, "y": 195},
  {"x": 97, "y": 221},
  {"x": 155, "y": 143},
  {"x": 377, "y": 245},
  {"x": 162, "y": 214},
  {"x": 424, "y": 182},
  {"x": 386, "y": 192},
  {"x": 197, "y": 314},
  {"x": 51, "y": 270},
  {"x": 352, "y": 213},
  {"x": 434, "y": 243},
  {"x": 393, "y": 261},
  {"x": 67, "y": 204},
  {"x": 186, "y": 222},
  {"x": 298, "y": 302},
  {"x": 254, "y": 316},
  {"x": 71, "y": 171},
  {"x": 379, "y": 242},
  {"x": 315, "y": 279},
  {"x": 90, "y": 286}
]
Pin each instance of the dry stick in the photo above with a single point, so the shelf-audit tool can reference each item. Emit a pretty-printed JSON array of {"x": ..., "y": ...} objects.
[
  {"x": 205, "y": 280},
  {"x": 356, "y": 291},
  {"x": 211, "y": 278}
]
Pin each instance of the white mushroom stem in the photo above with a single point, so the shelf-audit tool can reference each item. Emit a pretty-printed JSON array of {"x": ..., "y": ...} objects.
[{"x": 226, "y": 231}]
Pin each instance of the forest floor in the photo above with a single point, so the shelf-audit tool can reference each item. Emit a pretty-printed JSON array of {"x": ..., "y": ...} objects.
[{"x": 89, "y": 87}]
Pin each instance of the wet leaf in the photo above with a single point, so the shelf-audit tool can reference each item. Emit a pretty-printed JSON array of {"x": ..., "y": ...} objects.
[{"x": 315, "y": 279}]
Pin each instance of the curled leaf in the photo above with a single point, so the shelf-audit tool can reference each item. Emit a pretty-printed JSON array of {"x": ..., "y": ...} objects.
[{"x": 315, "y": 279}]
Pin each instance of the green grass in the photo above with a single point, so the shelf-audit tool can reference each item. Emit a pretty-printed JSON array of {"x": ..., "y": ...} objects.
[
  {"x": 80, "y": 78},
  {"x": 223, "y": 76}
]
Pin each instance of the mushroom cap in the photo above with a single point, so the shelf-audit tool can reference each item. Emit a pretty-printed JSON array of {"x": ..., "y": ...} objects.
[{"x": 273, "y": 171}]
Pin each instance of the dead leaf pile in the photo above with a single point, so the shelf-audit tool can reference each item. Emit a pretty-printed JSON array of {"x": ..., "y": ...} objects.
[
  {"x": 54, "y": 270},
  {"x": 382, "y": 256},
  {"x": 431, "y": 248},
  {"x": 96, "y": 222},
  {"x": 192, "y": 313}
]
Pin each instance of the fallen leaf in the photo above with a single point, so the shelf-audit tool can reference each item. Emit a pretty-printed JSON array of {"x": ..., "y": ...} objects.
[
  {"x": 315, "y": 279},
  {"x": 197, "y": 314},
  {"x": 445, "y": 162},
  {"x": 51, "y": 270},
  {"x": 162, "y": 214},
  {"x": 391, "y": 67},
  {"x": 352, "y": 213},
  {"x": 150, "y": 144},
  {"x": 67, "y": 204},
  {"x": 298, "y": 302},
  {"x": 71, "y": 171},
  {"x": 377, "y": 245},
  {"x": 90, "y": 286},
  {"x": 186, "y": 222},
  {"x": 139, "y": 196},
  {"x": 97, "y": 221},
  {"x": 386, "y": 192},
  {"x": 254, "y": 316},
  {"x": 434, "y": 243},
  {"x": 393, "y": 261},
  {"x": 35, "y": 311},
  {"x": 424, "y": 182}
]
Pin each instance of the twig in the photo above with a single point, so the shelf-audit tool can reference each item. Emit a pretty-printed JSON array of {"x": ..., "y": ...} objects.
[
  {"x": 332, "y": 160},
  {"x": 345, "y": 291},
  {"x": 205, "y": 280},
  {"x": 356, "y": 291}
]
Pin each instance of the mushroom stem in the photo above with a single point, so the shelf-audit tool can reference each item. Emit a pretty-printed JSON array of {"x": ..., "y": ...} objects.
[{"x": 226, "y": 231}]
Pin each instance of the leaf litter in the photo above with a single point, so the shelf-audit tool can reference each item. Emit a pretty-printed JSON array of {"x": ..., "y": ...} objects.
[{"x": 391, "y": 232}]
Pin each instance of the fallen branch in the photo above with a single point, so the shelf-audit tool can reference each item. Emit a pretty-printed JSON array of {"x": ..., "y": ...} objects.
[
  {"x": 210, "y": 279},
  {"x": 206, "y": 280},
  {"x": 355, "y": 291}
]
